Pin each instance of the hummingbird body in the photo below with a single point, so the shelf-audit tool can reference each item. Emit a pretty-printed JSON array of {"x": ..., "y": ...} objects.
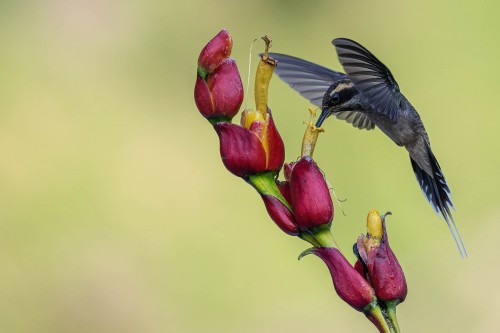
[{"x": 369, "y": 96}]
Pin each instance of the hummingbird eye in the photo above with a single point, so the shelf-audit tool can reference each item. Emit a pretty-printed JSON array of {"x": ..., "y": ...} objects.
[{"x": 335, "y": 98}]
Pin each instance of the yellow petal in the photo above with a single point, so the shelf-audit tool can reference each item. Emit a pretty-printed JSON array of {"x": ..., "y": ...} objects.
[
  {"x": 374, "y": 224},
  {"x": 249, "y": 116}
]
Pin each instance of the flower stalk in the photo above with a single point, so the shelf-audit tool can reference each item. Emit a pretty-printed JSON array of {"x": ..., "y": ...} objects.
[
  {"x": 301, "y": 205},
  {"x": 265, "y": 71},
  {"x": 375, "y": 314},
  {"x": 265, "y": 184}
]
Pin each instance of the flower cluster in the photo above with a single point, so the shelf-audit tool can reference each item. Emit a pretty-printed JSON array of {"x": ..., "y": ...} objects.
[
  {"x": 376, "y": 284},
  {"x": 254, "y": 150},
  {"x": 300, "y": 205},
  {"x": 306, "y": 192}
]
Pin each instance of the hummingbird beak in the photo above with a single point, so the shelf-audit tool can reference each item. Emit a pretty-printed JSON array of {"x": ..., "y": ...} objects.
[{"x": 324, "y": 114}]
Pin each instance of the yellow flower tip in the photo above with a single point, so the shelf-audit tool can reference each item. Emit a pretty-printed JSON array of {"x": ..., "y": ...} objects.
[
  {"x": 374, "y": 224},
  {"x": 311, "y": 134},
  {"x": 312, "y": 111},
  {"x": 248, "y": 117}
]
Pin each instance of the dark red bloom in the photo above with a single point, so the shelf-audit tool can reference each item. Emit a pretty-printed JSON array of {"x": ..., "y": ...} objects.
[
  {"x": 220, "y": 94},
  {"x": 348, "y": 283},
  {"x": 383, "y": 269},
  {"x": 218, "y": 49},
  {"x": 253, "y": 148},
  {"x": 310, "y": 196}
]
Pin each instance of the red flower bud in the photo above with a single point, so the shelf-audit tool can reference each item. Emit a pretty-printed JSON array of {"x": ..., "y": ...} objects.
[
  {"x": 275, "y": 146},
  {"x": 281, "y": 215},
  {"x": 383, "y": 269},
  {"x": 358, "y": 265},
  {"x": 284, "y": 188},
  {"x": 253, "y": 148},
  {"x": 348, "y": 283},
  {"x": 221, "y": 94},
  {"x": 310, "y": 196},
  {"x": 203, "y": 97},
  {"x": 218, "y": 49}
]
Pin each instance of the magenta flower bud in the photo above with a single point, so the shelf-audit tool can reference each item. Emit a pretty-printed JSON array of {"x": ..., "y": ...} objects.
[
  {"x": 386, "y": 274},
  {"x": 221, "y": 95},
  {"x": 253, "y": 148},
  {"x": 310, "y": 196},
  {"x": 348, "y": 283},
  {"x": 383, "y": 269},
  {"x": 218, "y": 49}
]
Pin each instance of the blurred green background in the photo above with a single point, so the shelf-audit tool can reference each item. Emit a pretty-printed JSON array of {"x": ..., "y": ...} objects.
[{"x": 117, "y": 215}]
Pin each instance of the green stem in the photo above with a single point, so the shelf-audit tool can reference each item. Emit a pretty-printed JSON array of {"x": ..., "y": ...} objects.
[
  {"x": 265, "y": 184},
  {"x": 391, "y": 314},
  {"x": 309, "y": 238},
  {"x": 319, "y": 237},
  {"x": 324, "y": 237},
  {"x": 219, "y": 119},
  {"x": 376, "y": 316}
]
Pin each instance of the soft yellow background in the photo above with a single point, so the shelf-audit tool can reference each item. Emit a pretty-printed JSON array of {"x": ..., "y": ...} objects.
[{"x": 117, "y": 215}]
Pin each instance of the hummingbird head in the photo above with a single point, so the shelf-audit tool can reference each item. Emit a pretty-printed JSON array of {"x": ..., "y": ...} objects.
[{"x": 341, "y": 96}]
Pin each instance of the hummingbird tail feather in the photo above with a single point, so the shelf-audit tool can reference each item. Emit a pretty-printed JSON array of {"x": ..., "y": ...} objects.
[{"x": 437, "y": 192}]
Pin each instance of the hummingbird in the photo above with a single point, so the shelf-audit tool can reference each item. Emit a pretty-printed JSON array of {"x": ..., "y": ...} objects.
[{"x": 368, "y": 96}]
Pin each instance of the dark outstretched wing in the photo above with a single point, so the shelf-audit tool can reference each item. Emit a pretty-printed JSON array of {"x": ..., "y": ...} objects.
[
  {"x": 308, "y": 79},
  {"x": 356, "y": 118},
  {"x": 312, "y": 82},
  {"x": 371, "y": 77},
  {"x": 437, "y": 192}
]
